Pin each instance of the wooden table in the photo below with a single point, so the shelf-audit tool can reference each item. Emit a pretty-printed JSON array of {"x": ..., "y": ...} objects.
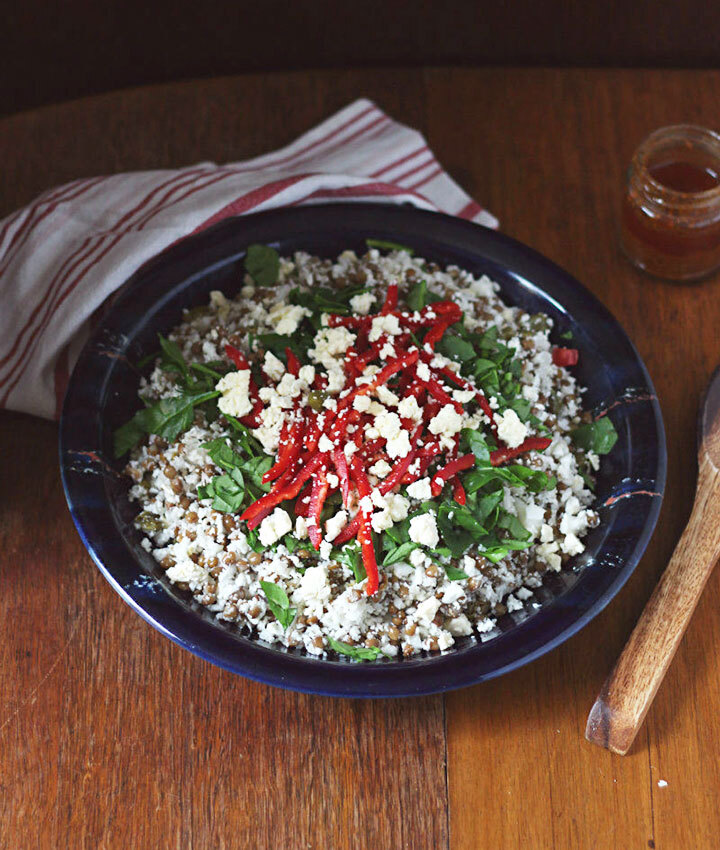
[{"x": 112, "y": 736}]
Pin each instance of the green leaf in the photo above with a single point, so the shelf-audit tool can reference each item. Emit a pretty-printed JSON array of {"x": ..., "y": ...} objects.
[
  {"x": 399, "y": 553},
  {"x": 262, "y": 263},
  {"x": 167, "y": 418},
  {"x": 456, "y": 348},
  {"x": 351, "y": 555},
  {"x": 417, "y": 297},
  {"x": 599, "y": 436},
  {"x": 521, "y": 406},
  {"x": 455, "y": 574},
  {"x": 221, "y": 454},
  {"x": 172, "y": 355},
  {"x": 477, "y": 444},
  {"x": 359, "y": 653},
  {"x": 278, "y": 603},
  {"x": 126, "y": 437},
  {"x": 384, "y": 245},
  {"x": 567, "y": 335}
]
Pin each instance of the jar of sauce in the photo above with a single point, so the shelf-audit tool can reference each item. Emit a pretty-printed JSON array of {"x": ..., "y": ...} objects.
[{"x": 670, "y": 224}]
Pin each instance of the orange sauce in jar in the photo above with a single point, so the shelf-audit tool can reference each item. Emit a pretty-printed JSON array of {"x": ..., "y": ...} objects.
[{"x": 670, "y": 224}]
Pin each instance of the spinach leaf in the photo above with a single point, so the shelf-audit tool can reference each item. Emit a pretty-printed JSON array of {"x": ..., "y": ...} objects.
[
  {"x": 278, "y": 603},
  {"x": 417, "y": 297},
  {"x": 227, "y": 492},
  {"x": 351, "y": 555},
  {"x": 359, "y": 653},
  {"x": 167, "y": 418},
  {"x": 477, "y": 444},
  {"x": 399, "y": 553},
  {"x": 455, "y": 574},
  {"x": 456, "y": 348},
  {"x": 262, "y": 263},
  {"x": 384, "y": 245},
  {"x": 172, "y": 356},
  {"x": 599, "y": 436}
]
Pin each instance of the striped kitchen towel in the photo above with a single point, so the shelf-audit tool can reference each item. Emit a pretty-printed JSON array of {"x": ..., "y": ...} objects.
[{"x": 64, "y": 254}]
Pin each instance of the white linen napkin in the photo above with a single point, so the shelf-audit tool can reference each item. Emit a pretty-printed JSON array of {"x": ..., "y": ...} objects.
[{"x": 65, "y": 253}]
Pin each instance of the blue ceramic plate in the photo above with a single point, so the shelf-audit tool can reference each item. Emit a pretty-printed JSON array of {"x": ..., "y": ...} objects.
[{"x": 103, "y": 395}]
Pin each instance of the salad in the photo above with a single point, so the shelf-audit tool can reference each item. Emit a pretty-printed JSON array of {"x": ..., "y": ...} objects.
[{"x": 371, "y": 456}]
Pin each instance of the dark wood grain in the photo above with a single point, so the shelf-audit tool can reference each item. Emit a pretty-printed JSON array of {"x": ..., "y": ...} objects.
[{"x": 110, "y": 736}]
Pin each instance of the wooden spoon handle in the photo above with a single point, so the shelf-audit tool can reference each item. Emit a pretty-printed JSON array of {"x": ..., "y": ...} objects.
[{"x": 628, "y": 692}]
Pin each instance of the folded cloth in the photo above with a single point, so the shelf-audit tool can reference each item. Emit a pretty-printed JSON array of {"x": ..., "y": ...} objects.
[{"x": 64, "y": 254}]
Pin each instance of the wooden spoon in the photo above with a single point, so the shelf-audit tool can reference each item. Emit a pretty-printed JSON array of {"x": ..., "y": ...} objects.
[{"x": 626, "y": 696}]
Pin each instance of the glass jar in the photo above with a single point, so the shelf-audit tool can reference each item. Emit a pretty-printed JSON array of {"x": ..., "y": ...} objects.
[{"x": 670, "y": 224}]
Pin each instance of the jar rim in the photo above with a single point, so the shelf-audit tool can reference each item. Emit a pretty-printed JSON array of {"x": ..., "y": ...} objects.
[{"x": 684, "y": 133}]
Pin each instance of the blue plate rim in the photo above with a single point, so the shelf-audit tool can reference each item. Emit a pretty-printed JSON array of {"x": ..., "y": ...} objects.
[{"x": 270, "y": 666}]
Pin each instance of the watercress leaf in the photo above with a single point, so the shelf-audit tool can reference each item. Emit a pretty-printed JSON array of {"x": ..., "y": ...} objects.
[
  {"x": 278, "y": 603},
  {"x": 599, "y": 436},
  {"x": 262, "y": 263},
  {"x": 455, "y": 574},
  {"x": 221, "y": 454},
  {"x": 417, "y": 297},
  {"x": 359, "y": 653},
  {"x": 384, "y": 245}
]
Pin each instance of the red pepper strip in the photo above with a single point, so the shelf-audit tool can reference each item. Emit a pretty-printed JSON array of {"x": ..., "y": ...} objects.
[
  {"x": 397, "y": 474},
  {"x": 381, "y": 377},
  {"x": 435, "y": 334},
  {"x": 284, "y": 447},
  {"x": 349, "y": 531},
  {"x": 289, "y": 450},
  {"x": 312, "y": 434},
  {"x": 302, "y": 504},
  {"x": 531, "y": 444},
  {"x": 391, "y": 300},
  {"x": 458, "y": 491},
  {"x": 252, "y": 419},
  {"x": 335, "y": 321},
  {"x": 320, "y": 382},
  {"x": 360, "y": 361},
  {"x": 341, "y": 466},
  {"x": 318, "y": 495},
  {"x": 435, "y": 390},
  {"x": 281, "y": 491},
  {"x": 237, "y": 357},
  {"x": 268, "y": 509},
  {"x": 293, "y": 364},
  {"x": 449, "y": 470},
  {"x": 365, "y": 528},
  {"x": 370, "y": 448},
  {"x": 565, "y": 356}
]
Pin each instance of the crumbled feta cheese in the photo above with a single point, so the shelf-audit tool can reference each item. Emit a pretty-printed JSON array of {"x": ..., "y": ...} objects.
[
  {"x": 325, "y": 444},
  {"x": 383, "y": 325},
  {"x": 447, "y": 421},
  {"x": 380, "y": 469},
  {"x": 510, "y": 429},
  {"x": 235, "y": 389},
  {"x": 386, "y": 396},
  {"x": 420, "y": 490},
  {"x": 285, "y": 318},
  {"x": 571, "y": 545},
  {"x": 362, "y": 303},
  {"x": 301, "y": 530},
  {"x": 408, "y": 408},
  {"x": 273, "y": 367},
  {"x": 423, "y": 530},
  {"x": 361, "y": 403},
  {"x": 275, "y": 526},
  {"x": 427, "y": 610}
]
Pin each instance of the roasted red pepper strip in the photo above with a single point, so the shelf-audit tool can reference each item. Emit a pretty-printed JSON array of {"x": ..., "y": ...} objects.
[
  {"x": 391, "y": 300},
  {"x": 397, "y": 475},
  {"x": 449, "y": 470},
  {"x": 288, "y": 452},
  {"x": 293, "y": 364},
  {"x": 381, "y": 377},
  {"x": 349, "y": 531},
  {"x": 341, "y": 467},
  {"x": 435, "y": 334},
  {"x": 458, "y": 492},
  {"x": 437, "y": 392},
  {"x": 281, "y": 491},
  {"x": 318, "y": 495},
  {"x": 302, "y": 504},
  {"x": 365, "y": 527},
  {"x": 565, "y": 356},
  {"x": 237, "y": 357},
  {"x": 531, "y": 444}
]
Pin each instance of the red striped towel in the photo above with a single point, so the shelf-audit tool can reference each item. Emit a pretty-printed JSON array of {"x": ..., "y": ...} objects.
[{"x": 65, "y": 253}]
